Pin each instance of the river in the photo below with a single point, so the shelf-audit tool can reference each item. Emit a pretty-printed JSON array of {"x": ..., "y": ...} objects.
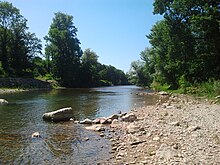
[{"x": 66, "y": 142}]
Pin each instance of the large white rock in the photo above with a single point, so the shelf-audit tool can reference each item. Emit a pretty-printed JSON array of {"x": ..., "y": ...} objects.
[
  {"x": 3, "y": 102},
  {"x": 63, "y": 114}
]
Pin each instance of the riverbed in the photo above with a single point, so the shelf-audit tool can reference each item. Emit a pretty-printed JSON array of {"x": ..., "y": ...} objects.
[{"x": 61, "y": 143}]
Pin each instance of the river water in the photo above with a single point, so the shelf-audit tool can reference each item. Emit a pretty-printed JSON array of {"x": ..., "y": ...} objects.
[{"x": 61, "y": 143}]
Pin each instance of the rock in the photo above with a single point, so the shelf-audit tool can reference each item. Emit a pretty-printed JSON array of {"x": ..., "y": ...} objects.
[
  {"x": 36, "y": 135},
  {"x": 112, "y": 117},
  {"x": 3, "y": 102},
  {"x": 132, "y": 128},
  {"x": 97, "y": 121},
  {"x": 217, "y": 97},
  {"x": 129, "y": 117},
  {"x": 166, "y": 152},
  {"x": 105, "y": 121},
  {"x": 115, "y": 123},
  {"x": 95, "y": 128},
  {"x": 76, "y": 122},
  {"x": 193, "y": 128},
  {"x": 138, "y": 142},
  {"x": 123, "y": 114},
  {"x": 163, "y": 93},
  {"x": 175, "y": 123},
  {"x": 86, "y": 121},
  {"x": 86, "y": 139},
  {"x": 156, "y": 138},
  {"x": 63, "y": 114},
  {"x": 114, "y": 148},
  {"x": 101, "y": 134}
]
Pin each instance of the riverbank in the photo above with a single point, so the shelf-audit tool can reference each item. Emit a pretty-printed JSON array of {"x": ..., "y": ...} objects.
[
  {"x": 180, "y": 129},
  {"x": 13, "y": 85}
]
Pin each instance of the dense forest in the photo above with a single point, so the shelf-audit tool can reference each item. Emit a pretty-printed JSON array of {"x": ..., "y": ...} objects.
[
  {"x": 185, "y": 47},
  {"x": 64, "y": 61}
]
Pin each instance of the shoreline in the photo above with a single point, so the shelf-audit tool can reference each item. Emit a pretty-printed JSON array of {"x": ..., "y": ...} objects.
[
  {"x": 178, "y": 130},
  {"x": 10, "y": 90}
]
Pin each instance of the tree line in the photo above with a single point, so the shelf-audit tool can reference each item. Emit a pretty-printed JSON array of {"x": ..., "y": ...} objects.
[
  {"x": 64, "y": 61},
  {"x": 185, "y": 45}
]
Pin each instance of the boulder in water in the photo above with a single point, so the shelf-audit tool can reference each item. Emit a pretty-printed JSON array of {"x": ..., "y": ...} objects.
[{"x": 63, "y": 114}]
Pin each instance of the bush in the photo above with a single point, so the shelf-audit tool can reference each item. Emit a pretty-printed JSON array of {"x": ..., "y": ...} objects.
[{"x": 210, "y": 88}]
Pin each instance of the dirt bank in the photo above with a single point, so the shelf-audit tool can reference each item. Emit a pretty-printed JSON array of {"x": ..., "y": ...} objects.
[{"x": 181, "y": 130}]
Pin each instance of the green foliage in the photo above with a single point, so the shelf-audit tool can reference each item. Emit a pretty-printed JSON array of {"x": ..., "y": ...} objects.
[
  {"x": 89, "y": 69},
  {"x": 112, "y": 75},
  {"x": 185, "y": 52},
  {"x": 210, "y": 88},
  {"x": 64, "y": 60},
  {"x": 17, "y": 46},
  {"x": 64, "y": 50},
  {"x": 190, "y": 36}
]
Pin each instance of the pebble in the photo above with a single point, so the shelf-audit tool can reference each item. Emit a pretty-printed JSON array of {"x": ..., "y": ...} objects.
[
  {"x": 185, "y": 135},
  {"x": 156, "y": 138},
  {"x": 193, "y": 128},
  {"x": 175, "y": 123}
]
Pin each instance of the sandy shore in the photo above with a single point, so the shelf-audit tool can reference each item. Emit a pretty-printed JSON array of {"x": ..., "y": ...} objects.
[{"x": 181, "y": 130}]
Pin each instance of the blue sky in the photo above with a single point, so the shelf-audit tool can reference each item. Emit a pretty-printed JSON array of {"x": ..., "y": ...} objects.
[{"x": 115, "y": 29}]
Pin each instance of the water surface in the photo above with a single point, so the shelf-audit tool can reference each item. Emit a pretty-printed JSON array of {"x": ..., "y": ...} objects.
[{"x": 61, "y": 143}]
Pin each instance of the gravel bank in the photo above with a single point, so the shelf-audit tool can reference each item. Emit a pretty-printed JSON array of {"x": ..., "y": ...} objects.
[{"x": 178, "y": 130}]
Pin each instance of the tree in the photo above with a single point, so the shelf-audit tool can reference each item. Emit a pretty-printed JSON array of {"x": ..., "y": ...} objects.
[
  {"x": 7, "y": 15},
  {"x": 89, "y": 69},
  {"x": 184, "y": 44},
  {"x": 95, "y": 74},
  {"x": 194, "y": 32},
  {"x": 17, "y": 46},
  {"x": 64, "y": 49},
  {"x": 113, "y": 75},
  {"x": 138, "y": 74}
]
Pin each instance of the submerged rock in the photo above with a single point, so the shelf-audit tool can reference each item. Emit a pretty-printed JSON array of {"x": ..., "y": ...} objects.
[
  {"x": 95, "y": 128},
  {"x": 63, "y": 114},
  {"x": 36, "y": 135},
  {"x": 3, "y": 102}
]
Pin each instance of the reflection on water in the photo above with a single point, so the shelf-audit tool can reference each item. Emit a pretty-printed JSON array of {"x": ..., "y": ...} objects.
[{"x": 61, "y": 143}]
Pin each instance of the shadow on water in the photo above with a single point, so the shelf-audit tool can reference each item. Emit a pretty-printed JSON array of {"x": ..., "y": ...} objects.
[{"x": 60, "y": 143}]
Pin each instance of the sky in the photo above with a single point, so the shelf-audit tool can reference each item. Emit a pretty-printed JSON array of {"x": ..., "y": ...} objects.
[{"x": 115, "y": 29}]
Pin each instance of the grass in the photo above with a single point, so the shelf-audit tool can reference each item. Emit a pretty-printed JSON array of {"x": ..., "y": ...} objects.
[{"x": 209, "y": 89}]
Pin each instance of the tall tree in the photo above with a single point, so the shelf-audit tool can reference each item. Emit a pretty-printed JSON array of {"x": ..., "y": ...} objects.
[
  {"x": 185, "y": 42},
  {"x": 202, "y": 20},
  {"x": 64, "y": 49},
  {"x": 17, "y": 46},
  {"x": 8, "y": 14},
  {"x": 89, "y": 69}
]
